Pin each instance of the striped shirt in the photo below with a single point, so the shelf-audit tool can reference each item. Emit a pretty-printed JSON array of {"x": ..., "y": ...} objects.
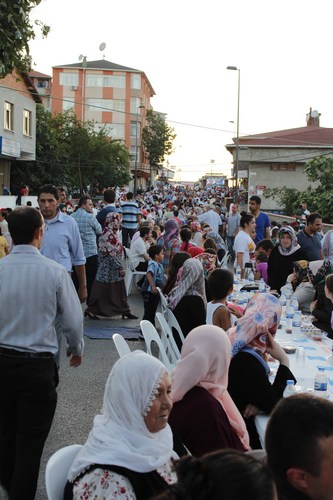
[
  {"x": 89, "y": 228},
  {"x": 130, "y": 211}
]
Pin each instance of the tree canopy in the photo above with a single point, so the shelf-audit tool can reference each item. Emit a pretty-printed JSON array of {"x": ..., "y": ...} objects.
[
  {"x": 319, "y": 198},
  {"x": 72, "y": 153},
  {"x": 16, "y": 30},
  {"x": 157, "y": 138}
]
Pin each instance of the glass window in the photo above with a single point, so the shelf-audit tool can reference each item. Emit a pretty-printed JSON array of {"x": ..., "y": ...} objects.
[
  {"x": 135, "y": 103},
  {"x": 68, "y": 103},
  {"x": 115, "y": 81},
  {"x": 135, "y": 81},
  {"x": 114, "y": 130},
  {"x": 69, "y": 79},
  {"x": 106, "y": 104},
  {"x": 135, "y": 129},
  {"x": 27, "y": 125},
  {"x": 8, "y": 116}
]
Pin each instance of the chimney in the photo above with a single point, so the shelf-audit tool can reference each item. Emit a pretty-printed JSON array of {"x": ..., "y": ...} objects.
[{"x": 312, "y": 118}]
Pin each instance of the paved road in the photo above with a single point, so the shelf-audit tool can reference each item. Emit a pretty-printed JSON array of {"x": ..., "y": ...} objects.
[{"x": 80, "y": 391}]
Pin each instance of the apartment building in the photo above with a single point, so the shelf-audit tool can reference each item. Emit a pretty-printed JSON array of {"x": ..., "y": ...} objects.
[
  {"x": 18, "y": 98},
  {"x": 111, "y": 95},
  {"x": 43, "y": 84}
]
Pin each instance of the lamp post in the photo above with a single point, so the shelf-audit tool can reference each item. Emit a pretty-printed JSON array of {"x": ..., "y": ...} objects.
[
  {"x": 136, "y": 147},
  {"x": 234, "y": 68}
]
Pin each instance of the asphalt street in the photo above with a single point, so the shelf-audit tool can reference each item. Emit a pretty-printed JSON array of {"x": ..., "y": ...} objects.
[{"x": 80, "y": 390}]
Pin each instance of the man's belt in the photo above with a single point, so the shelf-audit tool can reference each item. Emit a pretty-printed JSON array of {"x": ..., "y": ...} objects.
[{"x": 13, "y": 353}]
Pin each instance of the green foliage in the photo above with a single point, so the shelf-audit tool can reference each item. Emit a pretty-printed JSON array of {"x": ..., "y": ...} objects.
[
  {"x": 16, "y": 30},
  {"x": 157, "y": 138},
  {"x": 289, "y": 198},
  {"x": 72, "y": 153},
  {"x": 319, "y": 198}
]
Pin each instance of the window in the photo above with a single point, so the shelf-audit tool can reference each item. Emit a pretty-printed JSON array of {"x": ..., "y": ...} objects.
[
  {"x": 115, "y": 81},
  {"x": 283, "y": 167},
  {"x": 106, "y": 104},
  {"x": 135, "y": 103},
  {"x": 114, "y": 130},
  {"x": 68, "y": 103},
  {"x": 135, "y": 129},
  {"x": 8, "y": 116},
  {"x": 135, "y": 81},
  {"x": 133, "y": 153},
  {"x": 27, "y": 125},
  {"x": 69, "y": 79}
]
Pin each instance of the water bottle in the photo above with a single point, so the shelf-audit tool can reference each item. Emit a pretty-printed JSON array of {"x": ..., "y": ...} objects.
[
  {"x": 288, "y": 293},
  {"x": 262, "y": 286},
  {"x": 289, "y": 319},
  {"x": 290, "y": 389},
  {"x": 283, "y": 302},
  {"x": 320, "y": 383},
  {"x": 294, "y": 303},
  {"x": 237, "y": 279},
  {"x": 296, "y": 326}
]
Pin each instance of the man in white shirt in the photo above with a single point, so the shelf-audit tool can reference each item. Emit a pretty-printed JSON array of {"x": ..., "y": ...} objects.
[
  {"x": 139, "y": 249},
  {"x": 212, "y": 218}
]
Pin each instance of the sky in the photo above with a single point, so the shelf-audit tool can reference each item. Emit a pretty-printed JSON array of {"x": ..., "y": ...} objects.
[{"x": 283, "y": 51}]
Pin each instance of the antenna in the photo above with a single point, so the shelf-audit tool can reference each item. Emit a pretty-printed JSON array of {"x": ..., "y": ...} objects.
[{"x": 102, "y": 47}]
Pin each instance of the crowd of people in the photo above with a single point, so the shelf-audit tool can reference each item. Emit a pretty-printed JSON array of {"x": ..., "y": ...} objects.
[{"x": 190, "y": 433}]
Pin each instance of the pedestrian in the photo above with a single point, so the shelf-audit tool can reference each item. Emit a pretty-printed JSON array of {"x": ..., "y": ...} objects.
[
  {"x": 38, "y": 291},
  {"x": 154, "y": 278}
]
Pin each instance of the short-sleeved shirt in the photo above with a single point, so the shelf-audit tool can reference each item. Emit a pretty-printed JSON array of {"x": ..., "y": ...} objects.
[
  {"x": 130, "y": 211},
  {"x": 262, "y": 221},
  {"x": 311, "y": 244}
]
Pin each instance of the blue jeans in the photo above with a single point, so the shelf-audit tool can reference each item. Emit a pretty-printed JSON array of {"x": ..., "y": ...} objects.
[{"x": 230, "y": 243}]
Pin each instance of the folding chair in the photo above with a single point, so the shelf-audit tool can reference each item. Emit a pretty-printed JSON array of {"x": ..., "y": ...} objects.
[
  {"x": 57, "y": 469},
  {"x": 167, "y": 339},
  {"x": 131, "y": 273},
  {"x": 121, "y": 345},
  {"x": 223, "y": 264},
  {"x": 151, "y": 335}
]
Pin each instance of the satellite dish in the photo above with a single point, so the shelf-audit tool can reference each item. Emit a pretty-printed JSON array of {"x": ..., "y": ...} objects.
[
  {"x": 314, "y": 114},
  {"x": 81, "y": 57},
  {"x": 102, "y": 46}
]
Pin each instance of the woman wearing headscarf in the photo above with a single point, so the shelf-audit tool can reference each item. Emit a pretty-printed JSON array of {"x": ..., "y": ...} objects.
[
  {"x": 251, "y": 340},
  {"x": 280, "y": 262},
  {"x": 170, "y": 241},
  {"x": 196, "y": 233},
  {"x": 322, "y": 307},
  {"x": 302, "y": 288},
  {"x": 204, "y": 416},
  {"x": 128, "y": 452},
  {"x": 108, "y": 293},
  {"x": 187, "y": 300}
]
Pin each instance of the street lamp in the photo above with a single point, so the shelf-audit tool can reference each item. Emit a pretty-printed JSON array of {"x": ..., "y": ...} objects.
[
  {"x": 136, "y": 147},
  {"x": 234, "y": 68}
]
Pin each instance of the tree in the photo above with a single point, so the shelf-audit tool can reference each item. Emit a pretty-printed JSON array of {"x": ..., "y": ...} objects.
[
  {"x": 319, "y": 198},
  {"x": 157, "y": 138},
  {"x": 72, "y": 153},
  {"x": 16, "y": 30}
]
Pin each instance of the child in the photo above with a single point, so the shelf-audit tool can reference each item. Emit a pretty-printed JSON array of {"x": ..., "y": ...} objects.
[
  {"x": 154, "y": 278},
  {"x": 261, "y": 267},
  {"x": 220, "y": 283},
  {"x": 4, "y": 250}
]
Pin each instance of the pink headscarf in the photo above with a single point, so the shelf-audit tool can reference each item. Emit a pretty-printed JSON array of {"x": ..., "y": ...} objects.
[
  {"x": 262, "y": 315},
  {"x": 204, "y": 362}
]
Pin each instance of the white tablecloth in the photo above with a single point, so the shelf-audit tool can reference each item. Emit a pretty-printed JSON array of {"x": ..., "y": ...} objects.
[{"x": 316, "y": 354}]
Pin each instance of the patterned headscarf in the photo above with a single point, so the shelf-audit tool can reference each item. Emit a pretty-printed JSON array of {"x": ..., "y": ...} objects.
[
  {"x": 191, "y": 282},
  {"x": 204, "y": 362},
  {"x": 171, "y": 231},
  {"x": 109, "y": 242},
  {"x": 294, "y": 241},
  {"x": 195, "y": 227},
  {"x": 321, "y": 274},
  {"x": 301, "y": 268},
  {"x": 262, "y": 315}
]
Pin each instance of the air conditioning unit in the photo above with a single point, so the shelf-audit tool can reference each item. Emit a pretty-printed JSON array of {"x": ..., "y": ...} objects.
[{"x": 73, "y": 87}]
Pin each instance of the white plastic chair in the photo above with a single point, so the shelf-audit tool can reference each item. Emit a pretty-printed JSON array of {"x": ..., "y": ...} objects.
[
  {"x": 173, "y": 323},
  {"x": 57, "y": 469},
  {"x": 131, "y": 273},
  {"x": 121, "y": 345},
  {"x": 223, "y": 264},
  {"x": 167, "y": 338},
  {"x": 163, "y": 300},
  {"x": 151, "y": 335}
]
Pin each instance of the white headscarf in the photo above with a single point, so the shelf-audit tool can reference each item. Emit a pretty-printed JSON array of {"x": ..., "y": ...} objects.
[{"x": 119, "y": 435}]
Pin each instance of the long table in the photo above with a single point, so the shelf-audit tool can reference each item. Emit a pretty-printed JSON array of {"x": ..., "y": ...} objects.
[{"x": 316, "y": 353}]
